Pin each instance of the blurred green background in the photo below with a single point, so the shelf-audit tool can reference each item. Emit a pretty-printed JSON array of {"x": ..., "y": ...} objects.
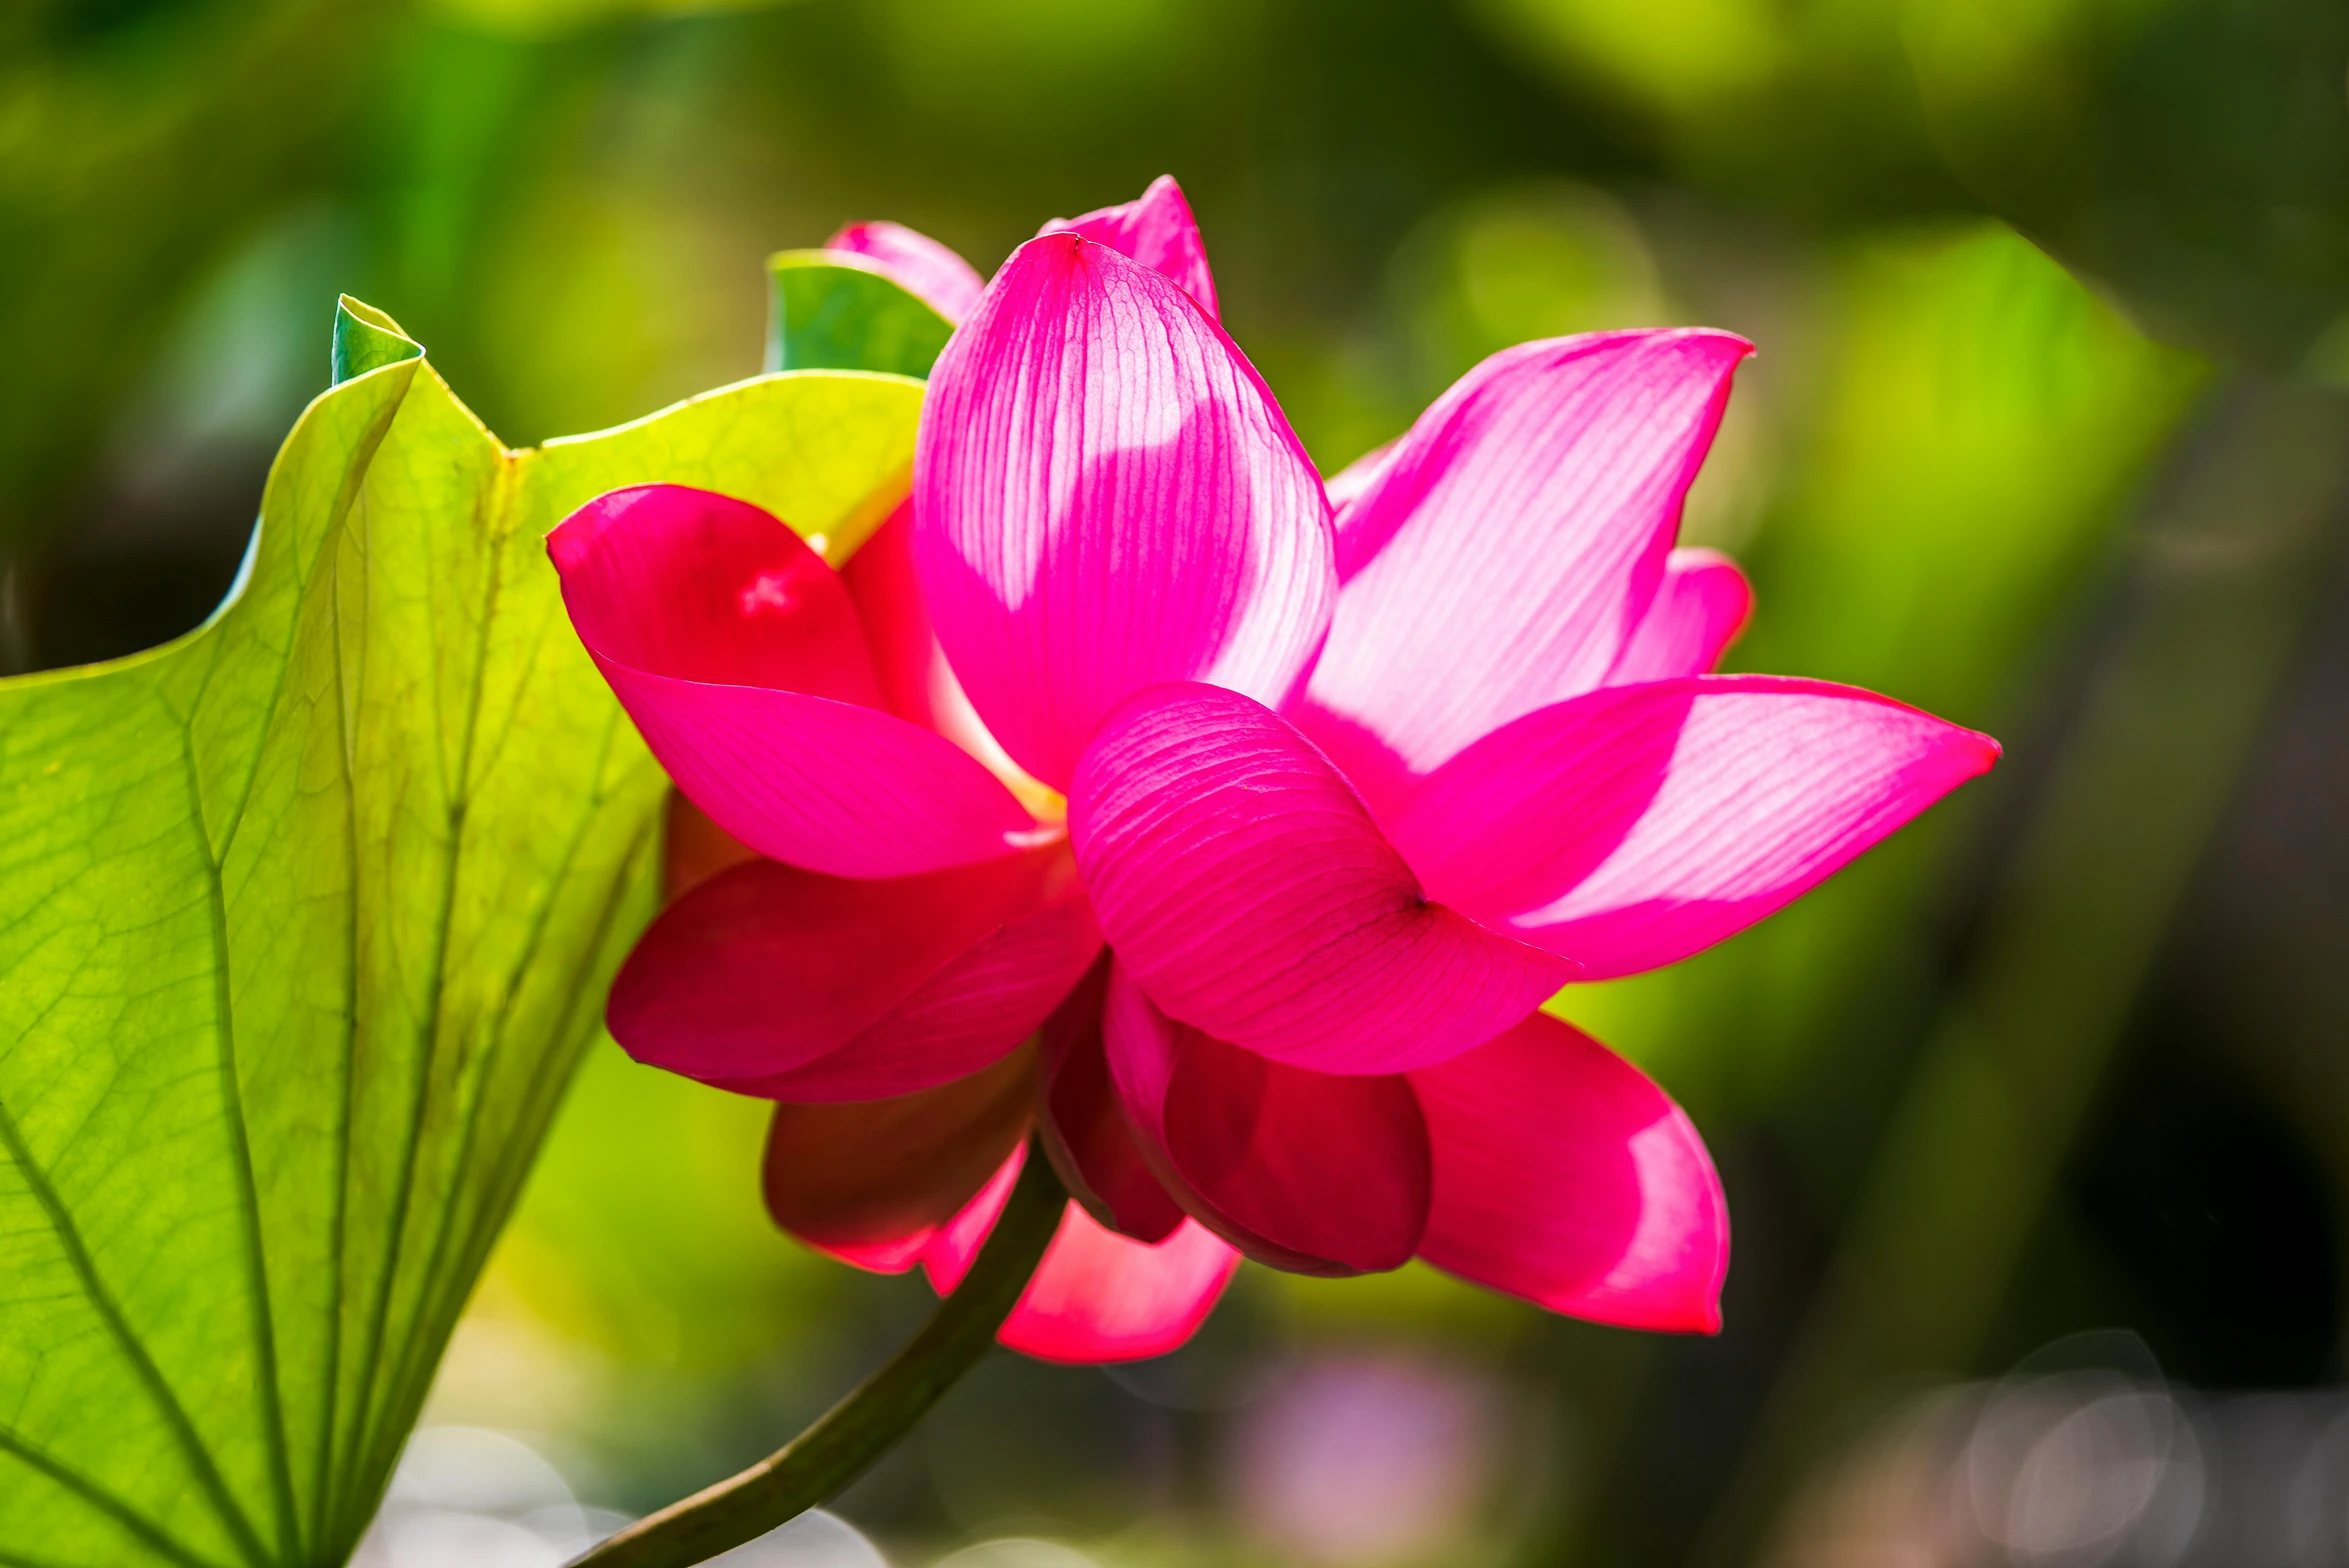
[{"x": 2047, "y": 433}]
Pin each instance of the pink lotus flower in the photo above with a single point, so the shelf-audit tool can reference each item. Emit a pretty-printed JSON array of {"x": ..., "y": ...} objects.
[{"x": 1346, "y": 798}]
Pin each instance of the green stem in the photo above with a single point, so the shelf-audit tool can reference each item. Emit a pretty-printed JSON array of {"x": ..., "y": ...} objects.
[{"x": 814, "y": 1466}]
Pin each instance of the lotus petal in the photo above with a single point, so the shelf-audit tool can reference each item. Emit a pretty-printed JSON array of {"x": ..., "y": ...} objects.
[
  {"x": 1250, "y": 894},
  {"x": 916, "y": 263},
  {"x": 1563, "y": 1175},
  {"x": 1700, "y": 607},
  {"x": 776, "y": 981},
  {"x": 1636, "y": 825},
  {"x": 1097, "y": 1296},
  {"x": 1316, "y": 1173},
  {"x": 742, "y": 660},
  {"x": 1105, "y": 498},
  {"x": 1157, "y": 230},
  {"x": 917, "y": 683},
  {"x": 1508, "y": 547},
  {"x": 696, "y": 586},
  {"x": 872, "y": 1180},
  {"x": 1084, "y": 1127}
]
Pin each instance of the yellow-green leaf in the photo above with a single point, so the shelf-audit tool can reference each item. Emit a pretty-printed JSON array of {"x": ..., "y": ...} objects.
[{"x": 304, "y": 921}]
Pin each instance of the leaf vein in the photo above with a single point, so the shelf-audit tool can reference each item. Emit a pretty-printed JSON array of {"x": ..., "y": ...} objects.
[
  {"x": 248, "y": 1191},
  {"x": 150, "y": 1375},
  {"x": 27, "y": 1452}
]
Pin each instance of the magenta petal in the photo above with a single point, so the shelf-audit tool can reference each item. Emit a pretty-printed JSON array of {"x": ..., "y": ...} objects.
[
  {"x": 836, "y": 788},
  {"x": 1699, "y": 608},
  {"x": 697, "y": 586},
  {"x": 775, "y": 981},
  {"x": 969, "y": 1014},
  {"x": 1247, "y": 889},
  {"x": 870, "y": 1182},
  {"x": 998, "y": 990},
  {"x": 1563, "y": 1175},
  {"x": 741, "y": 658},
  {"x": 1157, "y": 230},
  {"x": 1509, "y": 545},
  {"x": 1105, "y": 498},
  {"x": 1097, "y": 1296},
  {"x": 1636, "y": 825},
  {"x": 1316, "y": 1173},
  {"x": 916, "y": 263},
  {"x": 1084, "y": 1127}
]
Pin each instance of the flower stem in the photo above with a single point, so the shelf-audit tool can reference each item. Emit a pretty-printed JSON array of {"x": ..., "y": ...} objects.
[{"x": 814, "y": 1466}]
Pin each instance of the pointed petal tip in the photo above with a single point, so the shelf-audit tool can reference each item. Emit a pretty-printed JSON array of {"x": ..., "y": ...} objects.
[
  {"x": 1568, "y": 1178},
  {"x": 1713, "y": 343},
  {"x": 931, "y": 272},
  {"x": 1722, "y": 798},
  {"x": 1697, "y": 1317},
  {"x": 1716, "y": 347},
  {"x": 1155, "y": 229}
]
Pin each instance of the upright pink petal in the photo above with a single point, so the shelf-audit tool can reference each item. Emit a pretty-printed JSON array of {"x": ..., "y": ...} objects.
[
  {"x": 1097, "y": 1296},
  {"x": 780, "y": 982},
  {"x": 740, "y": 657},
  {"x": 1311, "y": 1172},
  {"x": 1563, "y": 1175},
  {"x": 1699, "y": 608},
  {"x": 1508, "y": 546},
  {"x": 871, "y": 1181},
  {"x": 1106, "y": 497},
  {"x": 1247, "y": 889},
  {"x": 1157, "y": 230},
  {"x": 1636, "y": 825},
  {"x": 1084, "y": 1127},
  {"x": 916, "y": 263}
]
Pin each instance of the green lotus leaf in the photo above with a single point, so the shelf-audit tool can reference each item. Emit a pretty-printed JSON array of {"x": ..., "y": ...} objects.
[
  {"x": 826, "y": 315},
  {"x": 305, "y": 919}
]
